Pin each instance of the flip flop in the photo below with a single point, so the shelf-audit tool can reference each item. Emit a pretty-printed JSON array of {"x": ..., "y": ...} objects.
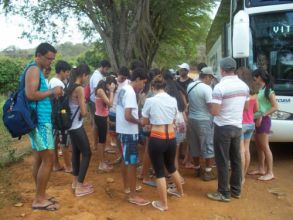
[
  {"x": 87, "y": 192},
  {"x": 156, "y": 204},
  {"x": 137, "y": 188},
  {"x": 255, "y": 172},
  {"x": 144, "y": 203},
  {"x": 52, "y": 199},
  {"x": 59, "y": 169},
  {"x": 50, "y": 207},
  {"x": 150, "y": 183},
  {"x": 262, "y": 178}
]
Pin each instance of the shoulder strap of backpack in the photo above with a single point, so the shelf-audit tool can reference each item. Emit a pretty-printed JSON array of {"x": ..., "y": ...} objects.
[{"x": 193, "y": 87}]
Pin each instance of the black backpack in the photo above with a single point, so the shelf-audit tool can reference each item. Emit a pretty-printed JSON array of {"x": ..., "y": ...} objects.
[{"x": 61, "y": 114}]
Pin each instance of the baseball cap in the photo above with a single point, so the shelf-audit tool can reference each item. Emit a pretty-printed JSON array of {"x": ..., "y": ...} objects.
[
  {"x": 228, "y": 63},
  {"x": 184, "y": 66},
  {"x": 208, "y": 71}
]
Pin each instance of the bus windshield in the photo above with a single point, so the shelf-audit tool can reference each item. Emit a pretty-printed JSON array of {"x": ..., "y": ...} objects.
[
  {"x": 254, "y": 3},
  {"x": 272, "y": 47}
]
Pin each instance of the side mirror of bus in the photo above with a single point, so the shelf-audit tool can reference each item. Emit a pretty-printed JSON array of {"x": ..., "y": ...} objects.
[{"x": 241, "y": 35}]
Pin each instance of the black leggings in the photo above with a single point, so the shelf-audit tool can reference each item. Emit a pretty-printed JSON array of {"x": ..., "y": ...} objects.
[
  {"x": 102, "y": 125},
  {"x": 80, "y": 145},
  {"x": 162, "y": 154}
]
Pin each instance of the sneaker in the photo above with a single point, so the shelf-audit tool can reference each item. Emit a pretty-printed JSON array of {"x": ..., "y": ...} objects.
[
  {"x": 208, "y": 176},
  {"x": 174, "y": 192},
  {"x": 218, "y": 197},
  {"x": 235, "y": 196}
]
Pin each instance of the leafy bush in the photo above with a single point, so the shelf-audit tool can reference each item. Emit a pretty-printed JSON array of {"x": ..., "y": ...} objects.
[{"x": 10, "y": 69}]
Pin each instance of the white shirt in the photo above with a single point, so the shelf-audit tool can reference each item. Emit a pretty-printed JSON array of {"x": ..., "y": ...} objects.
[
  {"x": 126, "y": 99},
  {"x": 231, "y": 93},
  {"x": 94, "y": 80},
  {"x": 199, "y": 96},
  {"x": 54, "y": 82},
  {"x": 161, "y": 109},
  {"x": 119, "y": 87}
]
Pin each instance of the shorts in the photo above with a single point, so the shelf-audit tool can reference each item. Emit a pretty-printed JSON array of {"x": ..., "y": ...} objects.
[
  {"x": 180, "y": 137},
  {"x": 129, "y": 148},
  {"x": 41, "y": 137},
  {"x": 247, "y": 131},
  {"x": 92, "y": 108},
  {"x": 200, "y": 134},
  {"x": 61, "y": 138},
  {"x": 265, "y": 126}
]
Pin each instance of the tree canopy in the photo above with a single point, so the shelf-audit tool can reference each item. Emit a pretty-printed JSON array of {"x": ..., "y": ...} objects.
[{"x": 138, "y": 29}]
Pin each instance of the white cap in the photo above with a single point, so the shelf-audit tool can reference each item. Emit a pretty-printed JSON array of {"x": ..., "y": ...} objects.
[
  {"x": 184, "y": 66},
  {"x": 208, "y": 71}
]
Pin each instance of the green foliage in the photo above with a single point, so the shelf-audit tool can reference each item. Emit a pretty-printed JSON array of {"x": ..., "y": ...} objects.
[
  {"x": 10, "y": 70},
  {"x": 8, "y": 152},
  {"x": 144, "y": 29}
]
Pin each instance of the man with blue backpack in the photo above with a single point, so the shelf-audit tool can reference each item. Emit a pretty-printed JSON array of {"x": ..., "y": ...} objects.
[{"x": 41, "y": 137}]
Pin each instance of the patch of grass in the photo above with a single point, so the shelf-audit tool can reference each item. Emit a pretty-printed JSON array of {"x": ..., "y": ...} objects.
[{"x": 7, "y": 196}]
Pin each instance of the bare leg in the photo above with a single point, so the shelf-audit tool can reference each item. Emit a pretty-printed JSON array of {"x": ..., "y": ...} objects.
[
  {"x": 124, "y": 175},
  {"x": 177, "y": 180},
  {"x": 260, "y": 154},
  {"x": 264, "y": 146},
  {"x": 247, "y": 155},
  {"x": 43, "y": 176},
  {"x": 56, "y": 163},
  {"x": 146, "y": 164},
  {"x": 67, "y": 159},
  {"x": 162, "y": 190},
  {"x": 36, "y": 165}
]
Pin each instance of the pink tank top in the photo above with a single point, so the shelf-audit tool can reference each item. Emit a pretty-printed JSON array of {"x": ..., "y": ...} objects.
[
  {"x": 101, "y": 108},
  {"x": 248, "y": 115}
]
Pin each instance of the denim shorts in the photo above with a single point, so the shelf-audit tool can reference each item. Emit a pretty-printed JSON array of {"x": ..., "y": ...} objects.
[
  {"x": 129, "y": 148},
  {"x": 247, "y": 131},
  {"x": 41, "y": 137}
]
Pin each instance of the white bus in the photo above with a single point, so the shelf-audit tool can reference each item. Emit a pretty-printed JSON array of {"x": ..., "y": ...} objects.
[{"x": 269, "y": 44}]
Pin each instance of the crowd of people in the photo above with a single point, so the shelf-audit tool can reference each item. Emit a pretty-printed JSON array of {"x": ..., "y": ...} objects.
[{"x": 210, "y": 124}]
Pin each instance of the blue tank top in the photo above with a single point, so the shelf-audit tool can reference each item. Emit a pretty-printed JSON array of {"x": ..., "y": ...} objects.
[{"x": 43, "y": 107}]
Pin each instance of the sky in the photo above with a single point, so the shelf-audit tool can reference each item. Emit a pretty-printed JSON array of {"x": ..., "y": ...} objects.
[{"x": 11, "y": 28}]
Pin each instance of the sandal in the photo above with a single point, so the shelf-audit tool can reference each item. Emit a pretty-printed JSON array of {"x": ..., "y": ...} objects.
[
  {"x": 140, "y": 202},
  {"x": 157, "y": 205},
  {"x": 49, "y": 207},
  {"x": 266, "y": 177},
  {"x": 150, "y": 183},
  {"x": 84, "y": 192},
  {"x": 255, "y": 172},
  {"x": 137, "y": 188}
]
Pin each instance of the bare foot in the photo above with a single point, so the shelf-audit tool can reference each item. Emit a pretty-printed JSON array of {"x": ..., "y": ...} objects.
[{"x": 256, "y": 172}]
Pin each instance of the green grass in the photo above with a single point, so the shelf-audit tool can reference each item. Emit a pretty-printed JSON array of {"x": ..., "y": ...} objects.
[{"x": 8, "y": 152}]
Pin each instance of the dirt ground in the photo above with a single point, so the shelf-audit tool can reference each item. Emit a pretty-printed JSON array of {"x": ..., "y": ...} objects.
[{"x": 260, "y": 200}]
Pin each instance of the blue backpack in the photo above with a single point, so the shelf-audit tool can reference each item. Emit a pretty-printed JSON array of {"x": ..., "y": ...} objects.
[{"x": 18, "y": 118}]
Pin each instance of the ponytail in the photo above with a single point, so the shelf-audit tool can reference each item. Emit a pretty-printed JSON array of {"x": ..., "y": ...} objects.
[
  {"x": 267, "y": 78},
  {"x": 78, "y": 71}
]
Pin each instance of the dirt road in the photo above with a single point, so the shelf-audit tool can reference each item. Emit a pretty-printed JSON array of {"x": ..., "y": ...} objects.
[{"x": 270, "y": 200}]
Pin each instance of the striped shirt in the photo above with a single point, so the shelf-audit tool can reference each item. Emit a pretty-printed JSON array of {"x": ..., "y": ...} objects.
[
  {"x": 231, "y": 93},
  {"x": 44, "y": 108}
]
